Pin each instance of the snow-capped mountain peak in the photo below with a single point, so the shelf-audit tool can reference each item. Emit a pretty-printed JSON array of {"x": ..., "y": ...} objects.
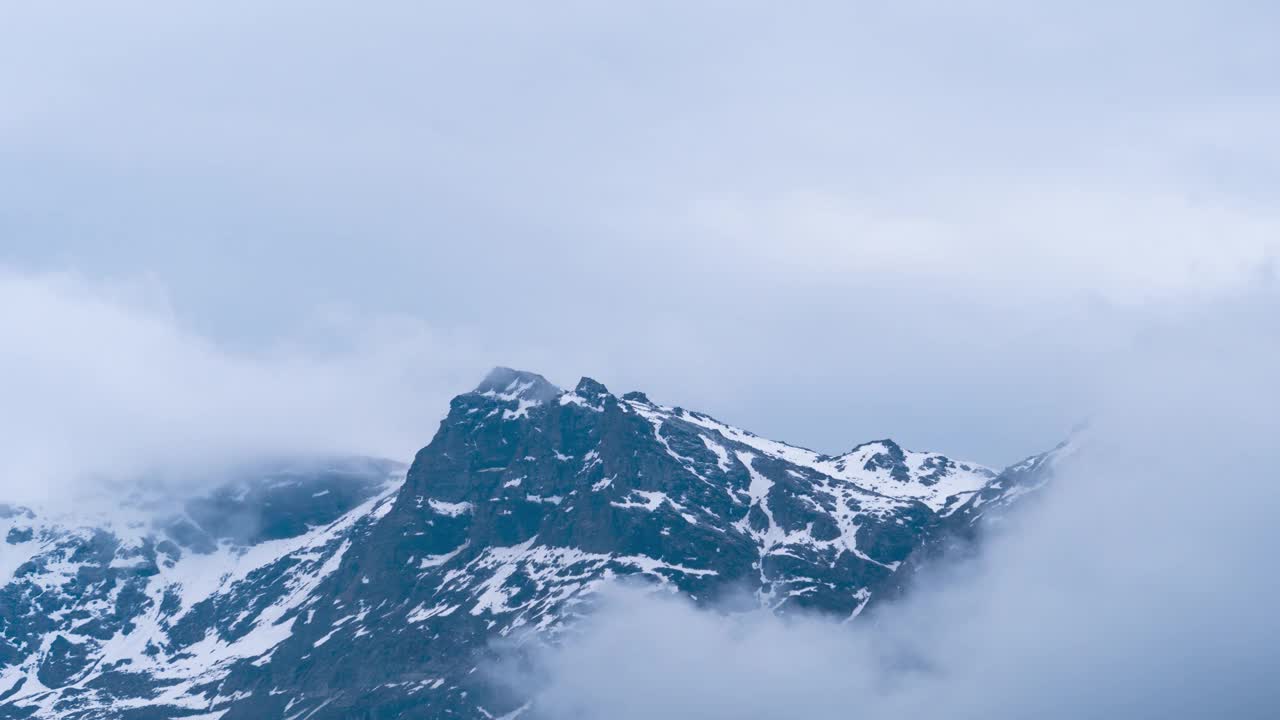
[{"x": 377, "y": 594}]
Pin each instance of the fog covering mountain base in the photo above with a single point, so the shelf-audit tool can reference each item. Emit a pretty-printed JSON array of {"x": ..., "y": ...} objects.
[{"x": 1141, "y": 584}]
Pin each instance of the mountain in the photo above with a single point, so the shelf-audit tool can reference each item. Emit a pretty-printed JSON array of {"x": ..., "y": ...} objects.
[
  {"x": 139, "y": 606},
  {"x": 360, "y": 590},
  {"x": 958, "y": 535}
]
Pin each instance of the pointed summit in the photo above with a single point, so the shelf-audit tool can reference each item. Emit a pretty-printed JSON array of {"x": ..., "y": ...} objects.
[
  {"x": 506, "y": 383},
  {"x": 589, "y": 388}
]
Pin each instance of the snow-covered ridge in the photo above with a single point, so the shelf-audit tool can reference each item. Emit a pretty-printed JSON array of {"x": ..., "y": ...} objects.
[
  {"x": 881, "y": 466},
  {"x": 795, "y": 505},
  {"x": 294, "y": 598},
  {"x": 177, "y": 609}
]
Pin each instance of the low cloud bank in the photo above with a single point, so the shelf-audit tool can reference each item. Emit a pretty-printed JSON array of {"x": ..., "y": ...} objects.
[
  {"x": 1141, "y": 585},
  {"x": 102, "y": 381}
]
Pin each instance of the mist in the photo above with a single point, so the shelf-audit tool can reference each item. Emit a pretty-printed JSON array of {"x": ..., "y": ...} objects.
[
  {"x": 1141, "y": 584},
  {"x": 104, "y": 381}
]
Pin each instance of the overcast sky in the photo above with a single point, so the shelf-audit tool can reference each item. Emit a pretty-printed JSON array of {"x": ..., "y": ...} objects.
[{"x": 828, "y": 223}]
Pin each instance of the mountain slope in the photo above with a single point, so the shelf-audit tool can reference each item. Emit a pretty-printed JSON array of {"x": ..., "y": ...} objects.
[
  {"x": 529, "y": 498},
  {"x": 141, "y": 606},
  {"x": 524, "y": 504},
  {"x": 958, "y": 534}
]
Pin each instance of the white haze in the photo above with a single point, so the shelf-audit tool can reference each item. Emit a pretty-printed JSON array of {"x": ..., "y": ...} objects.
[
  {"x": 103, "y": 381},
  {"x": 1142, "y": 585}
]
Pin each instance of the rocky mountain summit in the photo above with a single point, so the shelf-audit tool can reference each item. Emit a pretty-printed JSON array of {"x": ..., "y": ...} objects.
[{"x": 361, "y": 590}]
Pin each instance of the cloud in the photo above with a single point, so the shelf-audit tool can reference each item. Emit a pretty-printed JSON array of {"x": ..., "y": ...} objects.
[
  {"x": 1118, "y": 244},
  {"x": 829, "y": 223},
  {"x": 104, "y": 380},
  {"x": 1141, "y": 585}
]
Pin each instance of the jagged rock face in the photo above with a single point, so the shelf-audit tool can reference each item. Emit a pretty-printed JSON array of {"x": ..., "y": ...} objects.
[{"x": 527, "y": 500}]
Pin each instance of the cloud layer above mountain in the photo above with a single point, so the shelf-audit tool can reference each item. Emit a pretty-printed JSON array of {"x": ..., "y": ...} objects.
[
  {"x": 1140, "y": 585},
  {"x": 827, "y": 223}
]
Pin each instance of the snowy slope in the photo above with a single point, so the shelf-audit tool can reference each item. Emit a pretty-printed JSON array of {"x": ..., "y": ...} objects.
[
  {"x": 525, "y": 503},
  {"x": 119, "y": 606}
]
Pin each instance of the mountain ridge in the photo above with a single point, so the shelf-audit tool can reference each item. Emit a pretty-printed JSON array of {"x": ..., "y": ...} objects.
[{"x": 526, "y": 502}]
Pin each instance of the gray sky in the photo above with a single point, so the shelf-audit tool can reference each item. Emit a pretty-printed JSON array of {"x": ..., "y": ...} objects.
[{"x": 310, "y": 223}]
